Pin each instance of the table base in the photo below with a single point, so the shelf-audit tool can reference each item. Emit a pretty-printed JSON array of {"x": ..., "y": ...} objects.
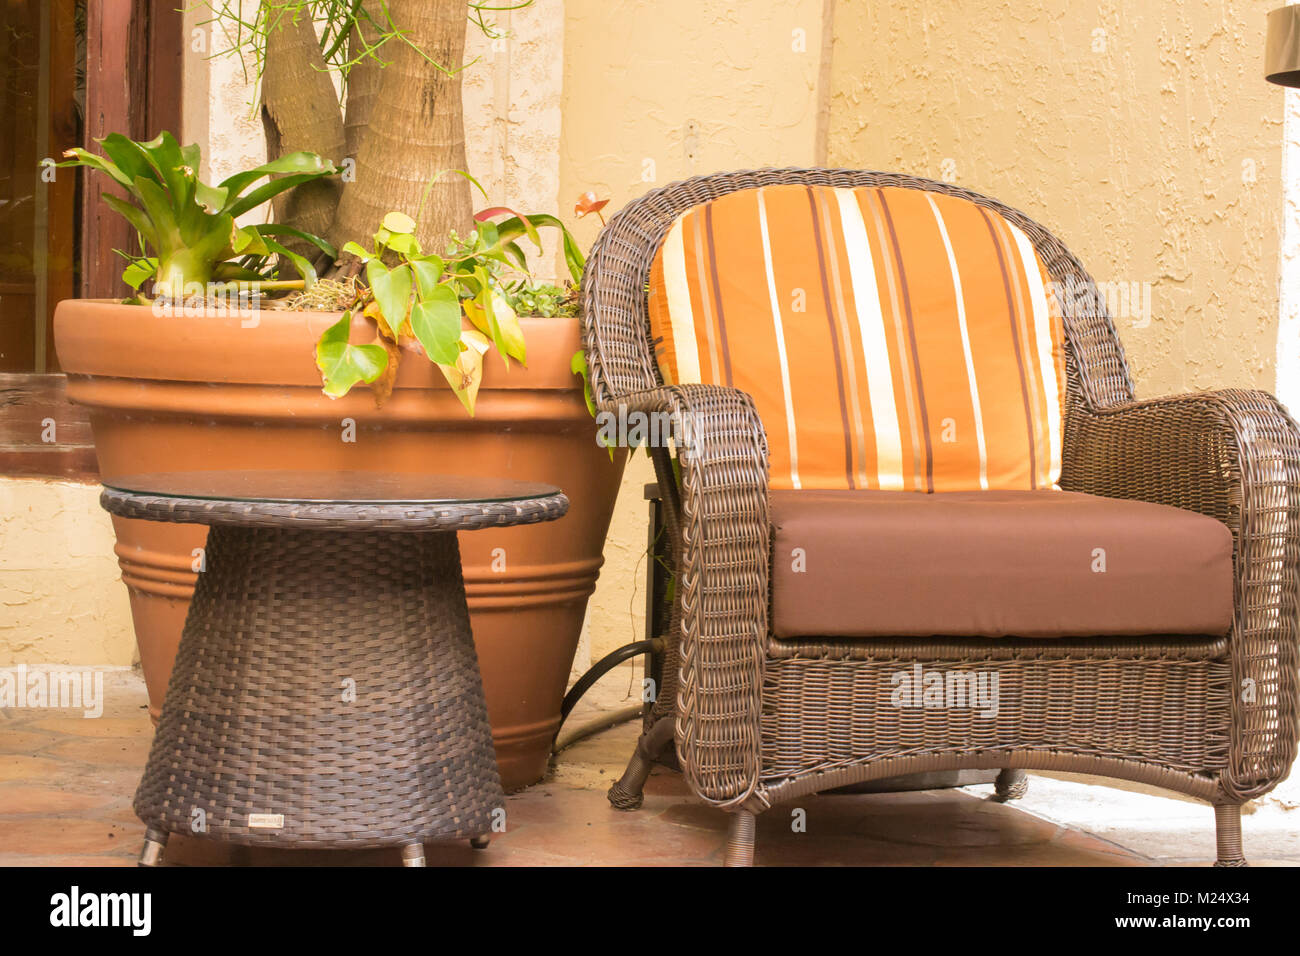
[{"x": 326, "y": 695}]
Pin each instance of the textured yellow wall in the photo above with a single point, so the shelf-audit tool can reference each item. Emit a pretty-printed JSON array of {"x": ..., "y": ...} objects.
[
  {"x": 1142, "y": 134},
  {"x": 61, "y": 594},
  {"x": 655, "y": 92}
]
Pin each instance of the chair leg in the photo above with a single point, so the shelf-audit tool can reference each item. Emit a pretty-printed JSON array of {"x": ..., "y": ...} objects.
[
  {"x": 1010, "y": 785},
  {"x": 625, "y": 794},
  {"x": 740, "y": 839},
  {"x": 155, "y": 842},
  {"x": 413, "y": 854},
  {"x": 1227, "y": 826}
]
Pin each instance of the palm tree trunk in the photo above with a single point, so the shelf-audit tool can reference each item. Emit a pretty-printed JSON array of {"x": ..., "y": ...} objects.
[
  {"x": 300, "y": 110},
  {"x": 362, "y": 85},
  {"x": 415, "y": 132}
]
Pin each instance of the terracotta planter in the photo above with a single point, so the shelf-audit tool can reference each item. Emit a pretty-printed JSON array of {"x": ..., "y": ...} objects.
[{"x": 240, "y": 391}]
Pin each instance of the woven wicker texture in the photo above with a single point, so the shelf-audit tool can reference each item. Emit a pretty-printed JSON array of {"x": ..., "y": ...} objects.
[
  {"x": 335, "y": 516},
  {"x": 758, "y": 720},
  {"x": 258, "y": 717}
]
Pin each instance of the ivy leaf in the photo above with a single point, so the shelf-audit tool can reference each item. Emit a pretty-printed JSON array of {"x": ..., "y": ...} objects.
[
  {"x": 487, "y": 231},
  {"x": 342, "y": 364},
  {"x": 578, "y": 366},
  {"x": 355, "y": 249},
  {"x": 475, "y": 312},
  {"x": 392, "y": 290},
  {"x": 399, "y": 222},
  {"x": 382, "y": 387},
  {"x": 435, "y": 320},
  {"x": 466, "y": 374},
  {"x": 405, "y": 244},
  {"x": 506, "y": 333},
  {"x": 428, "y": 270}
]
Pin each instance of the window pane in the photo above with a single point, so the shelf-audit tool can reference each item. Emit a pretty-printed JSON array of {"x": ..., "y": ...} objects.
[{"x": 42, "y": 101}]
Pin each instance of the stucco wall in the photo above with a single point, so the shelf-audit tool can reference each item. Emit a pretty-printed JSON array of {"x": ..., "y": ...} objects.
[
  {"x": 1141, "y": 133},
  {"x": 61, "y": 596},
  {"x": 1288, "y": 333},
  {"x": 655, "y": 92}
]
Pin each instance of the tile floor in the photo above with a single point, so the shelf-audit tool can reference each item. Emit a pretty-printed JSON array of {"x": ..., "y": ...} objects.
[{"x": 66, "y": 784}]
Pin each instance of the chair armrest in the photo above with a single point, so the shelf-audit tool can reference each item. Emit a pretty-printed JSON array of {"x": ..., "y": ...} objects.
[
  {"x": 722, "y": 590},
  {"x": 1233, "y": 455}
]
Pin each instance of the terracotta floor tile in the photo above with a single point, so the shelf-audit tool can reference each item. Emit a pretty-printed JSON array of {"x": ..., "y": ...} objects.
[
  {"x": 28, "y": 769},
  {"x": 37, "y": 798},
  {"x": 96, "y": 727},
  {"x": 13, "y": 859},
  {"x": 24, "y": 741},
  {"x": 44, "y": 836},
  {"x": 103, "y": 751},
  {"x": 66, "y": 786}
]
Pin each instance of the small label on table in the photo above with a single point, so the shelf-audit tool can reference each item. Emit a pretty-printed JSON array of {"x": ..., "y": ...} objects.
[{"x": 266, "y": 821}]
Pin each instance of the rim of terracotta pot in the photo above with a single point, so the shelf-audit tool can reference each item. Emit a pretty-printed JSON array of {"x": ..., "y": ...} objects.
[{"x": 256, "y": 347}]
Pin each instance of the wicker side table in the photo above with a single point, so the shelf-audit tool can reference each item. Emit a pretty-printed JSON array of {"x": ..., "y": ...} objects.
[{"x": 326, "y": 692}]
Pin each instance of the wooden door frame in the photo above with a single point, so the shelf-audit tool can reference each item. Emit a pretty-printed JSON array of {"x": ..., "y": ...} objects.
[{"x": 134, "y": 56}]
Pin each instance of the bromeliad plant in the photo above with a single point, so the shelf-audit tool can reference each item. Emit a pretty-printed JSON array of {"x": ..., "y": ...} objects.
[
  {"x": 189, "y": 240},
  {"x": 414, "y": 296}
]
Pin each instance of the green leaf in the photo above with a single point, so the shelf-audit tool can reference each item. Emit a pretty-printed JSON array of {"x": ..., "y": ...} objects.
[
  {"x": 487, "y": 231},
  {"x": 136, "y": 217},
  {"x": 130, "y": 157},
  {"x": 161, "y": 213},
  {"x": 267, "y": 191},
  {"x": 300, "y": 265},
  {"x": 428, "y": 270},
  {"x": 247, "y": 241},
  {"x": 191, "y": 156},
  {"x": 506, "y": 333},
  {"x": 213, "y": 198},
  {"x": 435, "y": 320},
  {"x": 399, "y": 222},
  {"x": 363, "y": 254},
  {"x": 404, "y": 244},
  {"x": 138, "y": 272},
  {"x": 277, "y": 229},
  {"x": 233, "y": 272},
  {"x": 81, "y": 157},
  {"x": 299, "y": 162},
  {"x": 392, "y": 290},
  {"x": 573, "y": 257},
  {"x": 514, "y": 252},
  {"x": 578, "y": 366},
  {"x": 342, "y": 364}
]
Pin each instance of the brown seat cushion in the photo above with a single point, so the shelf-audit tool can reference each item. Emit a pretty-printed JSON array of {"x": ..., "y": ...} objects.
[{"x": 994, "y": 564}]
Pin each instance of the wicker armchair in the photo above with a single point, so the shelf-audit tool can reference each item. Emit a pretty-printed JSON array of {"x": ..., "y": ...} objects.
[{"x": 1217, "y": 717}]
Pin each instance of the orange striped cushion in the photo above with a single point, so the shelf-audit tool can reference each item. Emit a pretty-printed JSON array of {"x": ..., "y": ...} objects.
[{"x": 891, "y": 338}]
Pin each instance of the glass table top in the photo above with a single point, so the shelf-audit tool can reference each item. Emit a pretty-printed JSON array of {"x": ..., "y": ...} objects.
[{"x": 333, "y": 487}]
